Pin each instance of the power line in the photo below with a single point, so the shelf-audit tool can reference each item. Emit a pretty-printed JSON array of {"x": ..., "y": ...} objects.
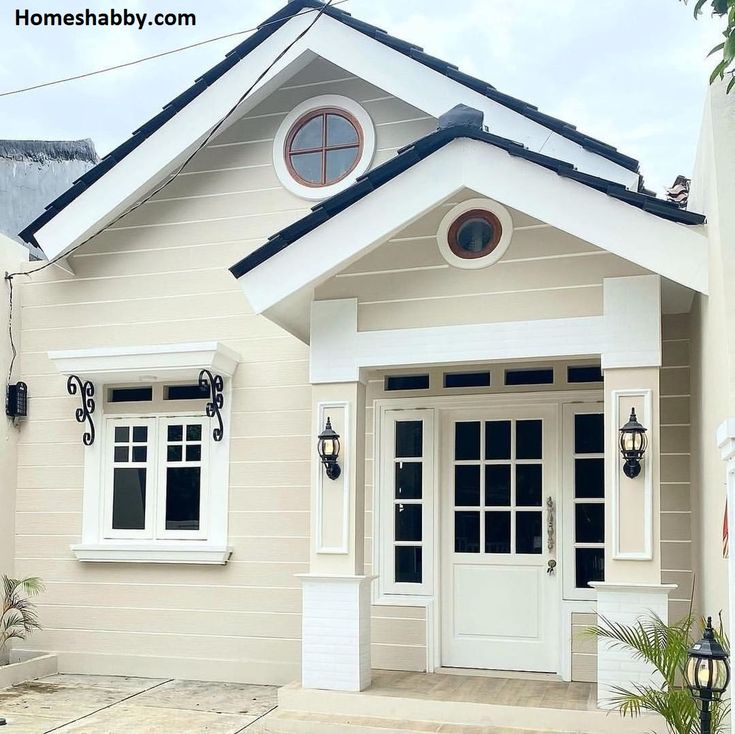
[
  {"x": 9, "y": 276},
  {"x": 155, "y": 56}
]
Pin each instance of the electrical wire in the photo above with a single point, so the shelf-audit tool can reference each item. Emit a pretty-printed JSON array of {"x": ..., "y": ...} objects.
[
  {"x": 160, "y": 55},
  {"x": 9, "y": 276}
]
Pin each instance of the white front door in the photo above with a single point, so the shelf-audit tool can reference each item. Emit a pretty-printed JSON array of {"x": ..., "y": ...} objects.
[{"x": 498, "y": 501}]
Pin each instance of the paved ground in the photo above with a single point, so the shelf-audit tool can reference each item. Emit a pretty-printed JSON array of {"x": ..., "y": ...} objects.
[{"x": 86, "y": 704}]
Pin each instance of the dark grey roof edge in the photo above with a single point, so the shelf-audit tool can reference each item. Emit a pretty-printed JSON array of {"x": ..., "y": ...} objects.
[
  {"x": 40, "y": 151},
  {"x": 265, "y": 30},
  {"x": 424, "y": 147}
]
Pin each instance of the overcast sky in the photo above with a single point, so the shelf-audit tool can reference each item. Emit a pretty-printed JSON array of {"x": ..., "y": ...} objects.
[{"x": 630, "y": 72}]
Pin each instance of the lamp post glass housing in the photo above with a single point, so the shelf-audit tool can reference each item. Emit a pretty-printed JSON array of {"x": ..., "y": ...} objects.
[
  {"x": 633, "y": 444},
  {"x": 707, "y": 673},
  {"x": 329, "y": 450}
]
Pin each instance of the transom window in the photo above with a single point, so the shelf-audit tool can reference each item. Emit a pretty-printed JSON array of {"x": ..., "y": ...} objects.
[
  {"x": 498, "y": 487},
  {"x": 155, "y": 477},
  {"x": 323, "y": 146}
]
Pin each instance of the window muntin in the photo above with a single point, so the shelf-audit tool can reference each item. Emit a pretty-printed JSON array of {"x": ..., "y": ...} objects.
[
  {"x": 156, "y": 477},
  {"x": 406, "y": 502},
  {"x": 323, "y": 147},
  {"x": 498, "y": 487}
]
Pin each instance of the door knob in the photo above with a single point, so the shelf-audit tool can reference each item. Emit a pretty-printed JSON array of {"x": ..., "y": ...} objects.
[{"x": 551, "y": 566}]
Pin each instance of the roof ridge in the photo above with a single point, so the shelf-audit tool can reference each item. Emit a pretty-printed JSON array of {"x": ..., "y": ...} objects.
[{"x": 264, "y": 31}]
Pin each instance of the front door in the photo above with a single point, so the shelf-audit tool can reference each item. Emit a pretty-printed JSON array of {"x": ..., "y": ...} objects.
[{"x": 498, "y": 505}]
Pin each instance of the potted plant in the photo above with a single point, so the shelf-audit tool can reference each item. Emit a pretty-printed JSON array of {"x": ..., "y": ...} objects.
[
  {"x": 18, "y": 616},
  {"x": 665, "y": 647}
]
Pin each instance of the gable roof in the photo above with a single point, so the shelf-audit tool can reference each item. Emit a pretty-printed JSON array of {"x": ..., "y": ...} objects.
[
  {"x": 267, "y": 29},
  {"x": 411, "y": 154}
]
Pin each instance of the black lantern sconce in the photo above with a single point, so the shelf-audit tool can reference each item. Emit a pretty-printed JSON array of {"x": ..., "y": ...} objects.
[
  {"x": 707, "y": 674},
  {"x": 16, "y": 400},
  {"x": 328, "y": 447},
  {"x": 633, "y": 444}
]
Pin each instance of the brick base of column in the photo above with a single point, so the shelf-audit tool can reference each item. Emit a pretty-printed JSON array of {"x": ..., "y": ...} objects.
[
  {"x": 626, "y": 604},
  {"x": 336, "y": 632}
]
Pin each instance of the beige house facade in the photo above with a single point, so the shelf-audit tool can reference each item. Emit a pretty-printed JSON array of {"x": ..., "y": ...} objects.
[{"x": 332, "y": 227}]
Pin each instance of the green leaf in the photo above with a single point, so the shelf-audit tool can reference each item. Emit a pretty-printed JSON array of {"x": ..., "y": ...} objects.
[
  {"x": 730, "y": 84},
  {"x": 717, "y": 48},
  {"x": 718, "y": 71},
  {"x": 698, "y": 7},
  {"x": 729, "y": 50}
]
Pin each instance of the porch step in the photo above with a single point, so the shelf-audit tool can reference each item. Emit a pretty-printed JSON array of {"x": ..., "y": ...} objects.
[
  {"x": 396, "y": 711},
  {"x": 300, "y": 722}
]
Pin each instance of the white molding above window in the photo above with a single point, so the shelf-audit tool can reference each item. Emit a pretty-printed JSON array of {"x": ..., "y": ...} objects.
[
  {"x": 334, "y": 101},
  {"x": 149, "y": 363}
]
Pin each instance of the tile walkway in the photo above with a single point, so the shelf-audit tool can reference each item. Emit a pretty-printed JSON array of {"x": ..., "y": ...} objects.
[{"x": 86, "y": 704}]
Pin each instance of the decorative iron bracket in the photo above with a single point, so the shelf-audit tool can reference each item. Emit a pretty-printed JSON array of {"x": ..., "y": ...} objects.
[
  {"x": 214, "y": 384},
  {"x": 85, "y": 389}
]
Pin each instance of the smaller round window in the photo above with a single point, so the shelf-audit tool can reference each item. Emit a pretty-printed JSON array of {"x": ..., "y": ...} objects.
[
  {"x": 474, "y": 234},
  {"x": 323, "y": 146}
]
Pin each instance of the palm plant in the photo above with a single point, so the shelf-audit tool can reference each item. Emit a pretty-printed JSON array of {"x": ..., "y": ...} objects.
[
  {"x": 664, "y": 647},
  {"x": 18, "y": 616}
]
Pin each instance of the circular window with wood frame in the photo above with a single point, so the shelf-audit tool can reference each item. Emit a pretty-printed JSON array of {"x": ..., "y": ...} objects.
[
  {"x": 323, "y": 147},
  {"x": 475, "y": 233}
]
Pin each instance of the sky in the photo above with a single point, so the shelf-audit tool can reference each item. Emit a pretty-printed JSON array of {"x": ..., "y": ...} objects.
[{"x": 630, "y": 72}]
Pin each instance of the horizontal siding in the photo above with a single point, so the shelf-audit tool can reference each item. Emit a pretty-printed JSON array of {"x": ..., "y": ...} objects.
[{"x": 160, "y": 276}]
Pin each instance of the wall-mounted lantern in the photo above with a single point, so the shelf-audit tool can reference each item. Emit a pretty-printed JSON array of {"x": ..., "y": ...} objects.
[
  {"x": 633, "y": 444},
  {"x": 329, "y": 450},
  {"x": 707, "y": 674},
  {"x": 16, "y": 400}
]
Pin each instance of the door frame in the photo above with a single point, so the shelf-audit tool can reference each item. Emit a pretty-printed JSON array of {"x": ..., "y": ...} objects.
[{"x": 432, "y": 603}]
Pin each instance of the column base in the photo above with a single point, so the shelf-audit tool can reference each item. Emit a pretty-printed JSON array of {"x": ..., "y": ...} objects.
[
  {"x": 626, "y": 604},
  {"x": 336, "y": 632}
]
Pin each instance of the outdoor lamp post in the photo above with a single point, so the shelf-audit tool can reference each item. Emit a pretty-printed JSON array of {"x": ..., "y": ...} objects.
[
  {"x": 633, "y": 444},
  {"x": 707, "y": 674},
  {"x": 328, "y": 447}
]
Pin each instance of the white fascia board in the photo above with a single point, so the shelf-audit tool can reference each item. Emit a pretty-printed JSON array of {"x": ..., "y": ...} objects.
[
  {"x": 157, "y": 362},
  {"x": 353, "y": 233},
  {"x": 161, "y": 153},
  {"x": 675, "y": 251}
]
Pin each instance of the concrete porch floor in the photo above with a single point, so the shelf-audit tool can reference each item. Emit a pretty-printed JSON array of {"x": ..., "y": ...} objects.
[{"x": 93, "y": 704}]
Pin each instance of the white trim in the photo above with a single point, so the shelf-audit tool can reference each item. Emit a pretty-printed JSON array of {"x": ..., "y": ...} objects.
[
  {"x": 148, "y": 362},
  {"x": 339, "y": 353},
  {"x": 506, "y": 225},
  {"x": 675, "y": 251},
  {"x": 617, "y": 419},
  {"x": 341, "y": 424},
  {"x": 316, "y": 193},
  {"x": 431, "y": 92},
  {"x": 183, "y": 552},
  {"x": 726, "y": 439}
]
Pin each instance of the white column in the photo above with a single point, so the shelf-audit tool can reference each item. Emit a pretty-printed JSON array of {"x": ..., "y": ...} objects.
[
  {"x": 336, "y": 593},
  {"x": 626, "y": 604}
]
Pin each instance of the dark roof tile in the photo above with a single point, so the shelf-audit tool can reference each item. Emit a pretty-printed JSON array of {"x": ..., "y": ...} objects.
[{"x": 424, "y": 147}]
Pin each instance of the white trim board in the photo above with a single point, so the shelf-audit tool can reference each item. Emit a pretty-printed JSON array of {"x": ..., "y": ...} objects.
[
  {"x": 341, "y": 353},
  {"x": 675, "y": 251},
  {"x": 161, "y": 153}
]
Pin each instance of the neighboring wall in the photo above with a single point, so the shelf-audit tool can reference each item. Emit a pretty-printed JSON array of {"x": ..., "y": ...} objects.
[
  {"x": 12, "y": 256},
  {"x": 676, "y": 488},
  {"x": 545, "y": 273},
  {"x": 161, "y": 276},
  {"x": 713, "y": 343}
]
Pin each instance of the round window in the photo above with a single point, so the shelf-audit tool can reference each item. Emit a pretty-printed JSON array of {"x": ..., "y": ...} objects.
[
  {"x": 474, "y": 234},
  {"x": 323, "y": 146}
]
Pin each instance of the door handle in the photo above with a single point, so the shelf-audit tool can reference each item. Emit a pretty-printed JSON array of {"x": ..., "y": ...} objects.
[
  {"x": 551, "y": 566},
  {"x": 550, "y": 525}
]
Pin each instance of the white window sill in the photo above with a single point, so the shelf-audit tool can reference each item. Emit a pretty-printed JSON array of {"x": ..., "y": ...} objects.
[{"x": 188, "y": 552}]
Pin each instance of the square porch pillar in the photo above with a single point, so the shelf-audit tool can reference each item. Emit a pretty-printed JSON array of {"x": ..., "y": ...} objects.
[{"x": 336, "y": 591}]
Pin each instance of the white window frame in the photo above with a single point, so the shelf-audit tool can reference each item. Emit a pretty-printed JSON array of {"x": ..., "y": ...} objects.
[
  {"x": 569, "y": 545},
  {"x": 159, "y": 364},
  {"x": 387, "y": 502}
]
